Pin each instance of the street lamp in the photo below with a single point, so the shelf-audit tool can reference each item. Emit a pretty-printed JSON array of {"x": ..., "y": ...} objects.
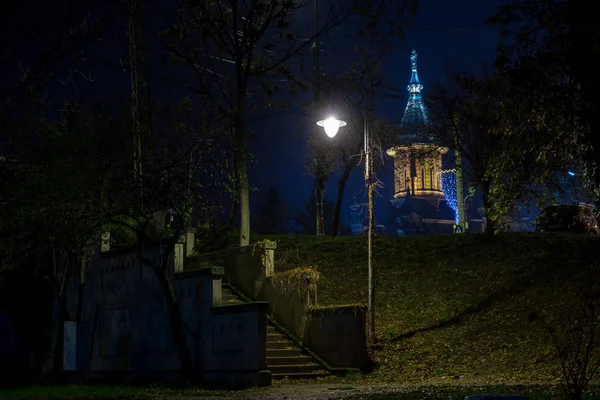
[
  {"x": 331, "y": 126},
  {"x": 471, "y": 194}
]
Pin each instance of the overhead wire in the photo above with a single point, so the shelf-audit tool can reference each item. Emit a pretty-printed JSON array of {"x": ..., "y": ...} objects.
[{"x": 430, "y": 29}]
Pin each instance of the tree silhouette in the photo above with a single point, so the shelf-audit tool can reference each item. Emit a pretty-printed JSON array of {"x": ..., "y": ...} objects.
[
  {"x": 272, "y": 215},
  {"x": 305, "y": 217}
]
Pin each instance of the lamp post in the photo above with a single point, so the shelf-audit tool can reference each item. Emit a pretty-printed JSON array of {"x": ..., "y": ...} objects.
[
  {"x": 332, "y": 126},
  {"x": 465, "y": 210}
]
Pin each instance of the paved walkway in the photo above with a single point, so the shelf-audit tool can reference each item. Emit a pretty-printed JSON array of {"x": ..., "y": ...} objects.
[
  {"x": 308, "y": 391},
  {"x": 303, "y": 391}
]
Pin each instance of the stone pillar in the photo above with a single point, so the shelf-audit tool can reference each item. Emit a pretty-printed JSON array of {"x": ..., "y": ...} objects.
[
  {"x": 105, "y": 242},
  {"x": 269, "y": 260},
  {"x": 179, "y": 258},
  {"x": 217, "y": 286},
  {"x": 189, "y": 241}
]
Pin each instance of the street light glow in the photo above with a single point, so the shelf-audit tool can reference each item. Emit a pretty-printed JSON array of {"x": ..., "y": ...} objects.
[
  {"x": 570, "y": 172},
  {"x": 332, "y": 125}
]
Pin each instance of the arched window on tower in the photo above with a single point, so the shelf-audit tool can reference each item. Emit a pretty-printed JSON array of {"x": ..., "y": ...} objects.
[
  {"x": 427, "y": 180},
  {"x": 431, "y": 181}
]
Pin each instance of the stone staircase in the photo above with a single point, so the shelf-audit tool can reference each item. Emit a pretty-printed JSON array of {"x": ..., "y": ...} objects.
[{"x": 285, "y": 359}]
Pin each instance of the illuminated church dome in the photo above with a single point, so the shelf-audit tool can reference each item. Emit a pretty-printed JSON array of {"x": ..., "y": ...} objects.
[{"x": 417, "y": 159}]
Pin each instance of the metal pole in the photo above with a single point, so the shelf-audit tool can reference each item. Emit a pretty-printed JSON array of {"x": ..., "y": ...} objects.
[
  {"x": 370, "y": 188},
  {"x": 138, "y": 87},
  {"x": 318, "y": 168},
  {"x": 465, "y": 211},
  {"x": 459, "y": 183}
]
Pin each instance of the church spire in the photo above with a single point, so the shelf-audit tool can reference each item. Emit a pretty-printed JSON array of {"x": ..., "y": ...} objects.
[
  {"x": 415, "y": 114},
  {"x": 414, "y": 85}
]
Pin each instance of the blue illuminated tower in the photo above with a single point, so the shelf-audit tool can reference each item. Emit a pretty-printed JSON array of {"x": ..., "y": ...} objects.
[{"x": 417, "y": 158}]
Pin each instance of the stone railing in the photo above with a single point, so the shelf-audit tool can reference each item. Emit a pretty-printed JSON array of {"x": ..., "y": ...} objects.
[
  {"x": 131, "y": 336},
  {"x": 335, "y": 334}
]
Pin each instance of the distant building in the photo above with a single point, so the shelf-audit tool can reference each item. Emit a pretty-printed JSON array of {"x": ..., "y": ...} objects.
[
  {"x": 356, "y": 224},
  {"x": 418, "y": 193}
]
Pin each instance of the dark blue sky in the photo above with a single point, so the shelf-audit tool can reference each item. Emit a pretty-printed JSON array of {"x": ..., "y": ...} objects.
[{"x": 448, "y": 36}]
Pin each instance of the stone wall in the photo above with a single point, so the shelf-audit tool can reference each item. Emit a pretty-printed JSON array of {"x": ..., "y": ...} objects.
[
  {"x": 15, "y": 355},
  {"x": 130, "y": 332},
  {"x": 290, "y": 301},
  {"x": 338, "y": 335},
  {"x": 234, "y": 353},
  {"x": 335, "y": 334}
]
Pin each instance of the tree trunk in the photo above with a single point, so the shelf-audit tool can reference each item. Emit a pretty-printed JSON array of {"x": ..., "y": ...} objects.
[
  {"x": 80, "y": 289},
  {"x": 234, "y": 198},
  {"x": 241, "y": 142},
  {"x": 63, "y": 315},
  {"x": 176, "y": 322},
  {"x": 80, "y": 293},
  {"x": 340, "y": 197},
  {"x": 243, "y": 188},
  {"x": 490, "y": 222}
]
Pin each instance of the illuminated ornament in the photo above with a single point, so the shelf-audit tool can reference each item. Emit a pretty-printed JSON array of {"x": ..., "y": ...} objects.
[
  {"x": 332, "y": 125},
  {"x": 449, "y": 189}
]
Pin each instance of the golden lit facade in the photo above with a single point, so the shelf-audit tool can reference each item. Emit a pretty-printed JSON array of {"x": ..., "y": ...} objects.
[
  {"x": 418, "y": 171},
  {"x": 417, "y": 160}
]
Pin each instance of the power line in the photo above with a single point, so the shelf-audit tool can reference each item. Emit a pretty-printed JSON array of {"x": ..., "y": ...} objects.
[
  {"x": 430, "y": 29},
  {"x": 449, "y": 27}
]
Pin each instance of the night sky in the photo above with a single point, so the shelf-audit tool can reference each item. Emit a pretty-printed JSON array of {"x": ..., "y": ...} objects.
[{"x": 448, "y": 36}]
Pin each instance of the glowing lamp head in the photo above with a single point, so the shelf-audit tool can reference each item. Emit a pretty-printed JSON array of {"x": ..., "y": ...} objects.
[{"x": 331, "y": 125}]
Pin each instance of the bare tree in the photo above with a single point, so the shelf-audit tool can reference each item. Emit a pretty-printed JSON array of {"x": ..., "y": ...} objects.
[
  {"x": 573, "y": 334},
  {"x": 180, "y": 177},
  {"x": 241, "y": 53}
]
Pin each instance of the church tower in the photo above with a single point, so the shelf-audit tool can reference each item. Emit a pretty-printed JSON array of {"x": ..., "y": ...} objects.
[{"x": 417, "y": 159}]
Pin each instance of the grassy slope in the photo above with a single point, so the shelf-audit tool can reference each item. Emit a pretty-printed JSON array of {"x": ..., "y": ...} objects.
[{"x": 451, "y": 307}]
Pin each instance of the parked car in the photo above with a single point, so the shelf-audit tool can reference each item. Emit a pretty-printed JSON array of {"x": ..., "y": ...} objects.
[{"x": 576, "y": 218}]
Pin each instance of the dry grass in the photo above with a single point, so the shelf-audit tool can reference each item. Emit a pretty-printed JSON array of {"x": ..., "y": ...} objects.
[{"x": 452, "y": 308}]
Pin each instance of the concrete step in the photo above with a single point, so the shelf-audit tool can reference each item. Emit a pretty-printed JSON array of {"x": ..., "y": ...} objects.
[
  {"x": 300, "y": 375},
  {"x": 294, "y": 369},
  {"x": 228, "y": 297},
  {"x": 284, "y": 358},
  {"x": 292, "y": 352},
  {"x": 293, "y": 360},
  {"x": 280, "y": 345},
  {"x": 230, "y": 301},
  {"x": 274, "y": 337}
]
